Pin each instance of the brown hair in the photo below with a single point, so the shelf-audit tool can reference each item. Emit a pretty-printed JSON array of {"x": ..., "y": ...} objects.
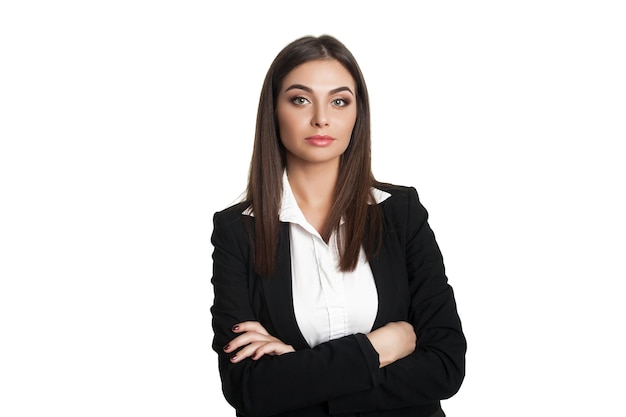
[{"x": 362, "y": 226}]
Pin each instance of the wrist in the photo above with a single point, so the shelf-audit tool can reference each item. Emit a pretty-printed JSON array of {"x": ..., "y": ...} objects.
[{"x": 379, "y": 345}]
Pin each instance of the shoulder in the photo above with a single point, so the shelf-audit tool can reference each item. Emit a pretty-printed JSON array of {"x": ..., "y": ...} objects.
[
  {"x": 230, "y": 215},
  {"x": 398, "y": 194},
  {"x": 231, "y": 230},
  {"x": 403, "y": 204}
]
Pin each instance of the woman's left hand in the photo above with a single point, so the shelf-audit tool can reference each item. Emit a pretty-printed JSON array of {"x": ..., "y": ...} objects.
[{"x": 254, "y": 342}]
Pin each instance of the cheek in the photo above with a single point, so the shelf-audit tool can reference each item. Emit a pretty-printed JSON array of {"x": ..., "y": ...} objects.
[
  {"x": 350, "y": 122},
  {"x": 286, "y": 122}
]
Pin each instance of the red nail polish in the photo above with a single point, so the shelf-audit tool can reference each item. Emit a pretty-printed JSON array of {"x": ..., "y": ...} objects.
[
  {"x": 226, "y": 347},
  {"x": 235, "y": 328},
  {"x": 233, "y": 358}
]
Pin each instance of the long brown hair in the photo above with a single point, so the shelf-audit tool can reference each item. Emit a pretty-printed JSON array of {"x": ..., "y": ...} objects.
[{"x": 362, "y": 225}]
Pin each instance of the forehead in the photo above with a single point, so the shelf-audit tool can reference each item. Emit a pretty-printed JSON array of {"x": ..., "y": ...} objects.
[{"x": 323, "y": 74}]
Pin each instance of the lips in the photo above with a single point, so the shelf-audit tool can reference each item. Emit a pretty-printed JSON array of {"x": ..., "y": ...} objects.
[{"x": 320, "y": 140}]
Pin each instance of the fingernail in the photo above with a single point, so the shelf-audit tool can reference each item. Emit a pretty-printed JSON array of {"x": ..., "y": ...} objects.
[
  {"x": 226, "y": 347},
  {"x": 235, "y": 328},
  {"x": 233, "y": 358}
]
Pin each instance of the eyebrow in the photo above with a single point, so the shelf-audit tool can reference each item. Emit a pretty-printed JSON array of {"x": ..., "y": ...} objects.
[{"x": 310, "y": 90}]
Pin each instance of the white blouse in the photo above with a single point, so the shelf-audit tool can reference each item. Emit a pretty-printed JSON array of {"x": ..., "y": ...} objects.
[{"x": 328, "y": 303}]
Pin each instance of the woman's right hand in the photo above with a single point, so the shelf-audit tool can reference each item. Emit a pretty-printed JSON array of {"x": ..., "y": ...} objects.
[
  {"x": 393, "y": 341},
  {"x": 254, "y": 342}
]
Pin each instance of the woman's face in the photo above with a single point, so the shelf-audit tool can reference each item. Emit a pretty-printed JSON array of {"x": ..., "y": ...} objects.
[{"x": 316, "y": 109}]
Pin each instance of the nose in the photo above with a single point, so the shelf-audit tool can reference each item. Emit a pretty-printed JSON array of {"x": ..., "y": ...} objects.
[{"x": 320, "y": 116}]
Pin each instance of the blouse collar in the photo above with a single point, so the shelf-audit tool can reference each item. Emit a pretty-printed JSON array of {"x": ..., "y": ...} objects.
[{"x": 290, "y": 211}]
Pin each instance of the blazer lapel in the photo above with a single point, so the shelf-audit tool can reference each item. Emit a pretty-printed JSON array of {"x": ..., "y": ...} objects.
[
  {"x": 380, "y": 266},
  {"x": 279, "y": 297},
  {"x": 388, "y": 270}
]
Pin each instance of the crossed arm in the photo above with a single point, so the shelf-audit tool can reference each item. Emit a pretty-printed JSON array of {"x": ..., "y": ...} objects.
[{"x": 392, "y": 342}]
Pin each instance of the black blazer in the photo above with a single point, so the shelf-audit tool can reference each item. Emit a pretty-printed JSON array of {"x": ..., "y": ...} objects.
[{"x": 341, "y": 376}]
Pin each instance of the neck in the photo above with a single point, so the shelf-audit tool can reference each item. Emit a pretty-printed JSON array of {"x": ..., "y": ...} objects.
[{"x": 313, "y": 187}]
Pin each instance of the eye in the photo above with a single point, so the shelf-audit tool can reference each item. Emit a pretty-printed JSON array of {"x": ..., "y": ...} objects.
[
  {"x": 299, "y": 100},
  {"x": 339, "y": 102}
]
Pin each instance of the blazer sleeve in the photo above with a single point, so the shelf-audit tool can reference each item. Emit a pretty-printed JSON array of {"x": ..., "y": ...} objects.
[
  {"x": 275, "y": 384},
  {"x": 436, "y": 369}
]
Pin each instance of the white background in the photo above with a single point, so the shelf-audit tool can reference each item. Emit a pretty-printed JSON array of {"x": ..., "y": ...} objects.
[{"x": 125, "y": 125}]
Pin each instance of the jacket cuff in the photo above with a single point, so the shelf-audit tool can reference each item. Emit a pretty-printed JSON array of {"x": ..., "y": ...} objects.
[{"x": 371, "y": 357}]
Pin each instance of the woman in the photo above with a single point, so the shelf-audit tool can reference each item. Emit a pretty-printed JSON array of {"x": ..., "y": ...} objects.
[{"x": 330, "y": 291}]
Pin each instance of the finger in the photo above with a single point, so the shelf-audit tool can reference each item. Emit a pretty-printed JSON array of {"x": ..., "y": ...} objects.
[
  {"x": 265, "y": 349},
  {"x": 256, "y": 350},
  {"x": 246, "y": 338},
  {"x": 275, "y": 348},
  {"x": 246, "y": 352},
  {"x": 239, "y": 341},
  {"x": 249, "y": 326},
  {"x": 269, "y": 348}
]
